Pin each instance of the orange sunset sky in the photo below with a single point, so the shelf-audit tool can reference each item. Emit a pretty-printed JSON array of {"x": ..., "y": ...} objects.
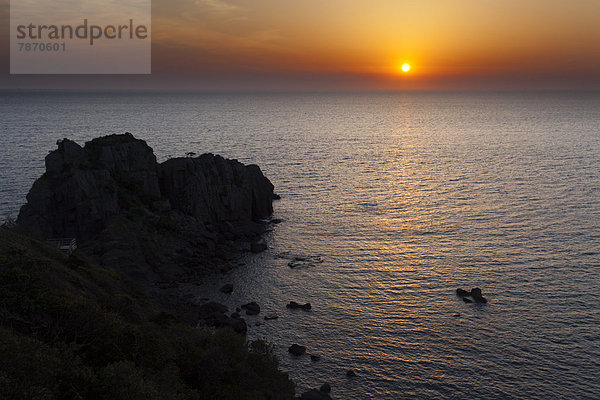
[{"x": 357, "y": 44}]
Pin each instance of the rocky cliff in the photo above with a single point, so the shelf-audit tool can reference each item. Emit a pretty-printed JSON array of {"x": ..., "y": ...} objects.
[{"x": 153, "y": 221}]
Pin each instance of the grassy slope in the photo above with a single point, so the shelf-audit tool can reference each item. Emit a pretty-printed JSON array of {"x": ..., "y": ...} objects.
[{"x": 71, "y": 329}]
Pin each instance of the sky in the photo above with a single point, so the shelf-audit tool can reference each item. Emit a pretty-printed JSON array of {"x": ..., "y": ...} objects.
[{"x": 356, "y": 45}]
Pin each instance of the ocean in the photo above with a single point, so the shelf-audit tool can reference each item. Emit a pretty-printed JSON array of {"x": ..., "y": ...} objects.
[{"x": 393, "y": 200}]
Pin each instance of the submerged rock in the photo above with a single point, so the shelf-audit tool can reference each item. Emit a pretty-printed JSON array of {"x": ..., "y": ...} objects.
[
  {"x": 461, "y": 292},
  {"x": 301, "y": 261},
  {"x": 350, "y": 373},
  {"x": 297, "y": 350}
]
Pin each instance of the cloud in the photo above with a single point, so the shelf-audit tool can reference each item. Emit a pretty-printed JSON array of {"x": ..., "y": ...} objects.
[{"x": 219, "y": 6}]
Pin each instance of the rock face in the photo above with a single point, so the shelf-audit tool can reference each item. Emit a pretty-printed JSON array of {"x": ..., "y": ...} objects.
[
  {"x": 156, "y": 221},
  {"x": 84, "y": 186},
  {"x": 212, "y": 189}
]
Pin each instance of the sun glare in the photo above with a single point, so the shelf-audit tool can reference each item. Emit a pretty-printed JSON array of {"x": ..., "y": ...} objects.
[{"x": 405, "y": 67}]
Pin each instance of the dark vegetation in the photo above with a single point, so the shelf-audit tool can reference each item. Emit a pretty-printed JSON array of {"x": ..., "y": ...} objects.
[{"x": 70, "y": 329}]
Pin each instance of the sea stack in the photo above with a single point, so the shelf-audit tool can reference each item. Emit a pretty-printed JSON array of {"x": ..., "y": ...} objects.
[{"x": 155, "y": 220}]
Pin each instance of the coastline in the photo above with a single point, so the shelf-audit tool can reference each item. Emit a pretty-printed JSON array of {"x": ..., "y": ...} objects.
[
  {"x": 158, "y": 227},
  {"x": 402, "y": 215}
]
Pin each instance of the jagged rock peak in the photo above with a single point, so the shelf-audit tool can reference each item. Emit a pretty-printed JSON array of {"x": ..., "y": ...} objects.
[{"x": 84, "y": 187}]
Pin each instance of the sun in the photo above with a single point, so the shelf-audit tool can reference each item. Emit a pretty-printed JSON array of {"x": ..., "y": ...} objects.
[{"x": 405, "y": 67}]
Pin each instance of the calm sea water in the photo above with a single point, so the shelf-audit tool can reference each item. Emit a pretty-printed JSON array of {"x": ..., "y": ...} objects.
[{"x": 405, "y": 197}]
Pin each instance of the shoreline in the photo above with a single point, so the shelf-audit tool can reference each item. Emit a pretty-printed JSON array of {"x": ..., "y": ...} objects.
[{"x": 163, "y": 226}]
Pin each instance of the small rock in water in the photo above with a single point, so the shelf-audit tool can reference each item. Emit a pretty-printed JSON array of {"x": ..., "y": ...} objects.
[
  {"x": 251, "y": 308},
  {"x": 350, "y": 373},
  {"x": 314, "y": 394},
  {"x": 227, "y": 288},
  {"x": 456, "y": 314},
  {"x": 476, "y": 295},
  {"x": 276, "y": 221},
  {"x": 325, "y": 388},
  {"x": 297, "y": 350},
  {"x": 314, "y": 357},
  {"x": 293, "y": 305},
  {"x": 270, "y": 317}
]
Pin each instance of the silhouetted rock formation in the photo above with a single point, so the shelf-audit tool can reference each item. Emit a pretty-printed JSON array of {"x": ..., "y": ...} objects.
[
  {"x": 84, "y": 186},
  {"x": 156, "y": 222},
  {"x": 213, "y": 189}
]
